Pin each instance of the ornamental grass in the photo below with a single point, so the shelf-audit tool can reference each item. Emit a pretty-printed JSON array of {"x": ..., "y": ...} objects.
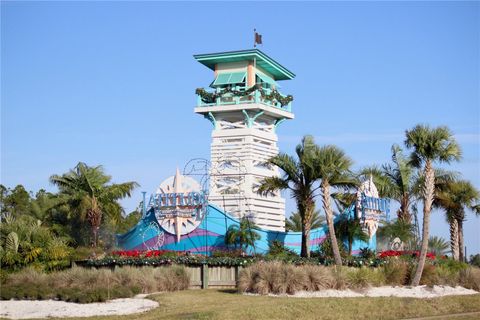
[
  {"x": 92, "y": 285},
  {"x": 283, "y": 278}
]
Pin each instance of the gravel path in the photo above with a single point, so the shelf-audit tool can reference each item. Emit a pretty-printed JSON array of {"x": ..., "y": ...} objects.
[
  {"x": 410, "y": 292},
  {"x": 24, "y": 309}
]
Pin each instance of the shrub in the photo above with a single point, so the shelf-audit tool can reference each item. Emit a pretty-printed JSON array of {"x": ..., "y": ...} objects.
[
  {"x": 289, "y": 279},
  {"x": 277, "y": 249},
  {"x": 395, "y": 271},
  {"x": 326, "y": 251},
  {"x": 273, "y": 277},
  {"x": 90, "y": 285},
  {"x": 367, "y": 253},
  {"x": 364, "y": 277},
  {"x": 318, "y": 278},
  {"x": 429, "y": 274},
  {"x": 446, "y": 276},
  {"x": 475, "y": 260},
  {"x": 470, "y": 278},
  {"x": 340, "y": 277}
]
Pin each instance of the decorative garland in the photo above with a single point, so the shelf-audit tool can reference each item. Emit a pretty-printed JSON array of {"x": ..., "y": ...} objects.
[
  {"x": 208, "y": 97},
  {"x": 196, "y": 260}
]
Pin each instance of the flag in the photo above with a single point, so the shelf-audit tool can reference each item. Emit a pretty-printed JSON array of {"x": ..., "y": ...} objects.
[{"x": 258, "y": 39}]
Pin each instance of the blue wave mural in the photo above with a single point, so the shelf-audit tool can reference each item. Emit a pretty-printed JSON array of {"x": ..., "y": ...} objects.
[{"x": 209, "y": 236}]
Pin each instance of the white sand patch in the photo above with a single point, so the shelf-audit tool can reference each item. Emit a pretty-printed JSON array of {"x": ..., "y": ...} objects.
[
  {"x": 25, "y": 309},
  {"x": 387, "y": 291}
]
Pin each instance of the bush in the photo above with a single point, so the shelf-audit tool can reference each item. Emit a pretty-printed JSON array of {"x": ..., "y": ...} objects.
[
  {"x": 326, "y": 251},
  {"x": 470, "y": 278},
  {"x": 318, "y": 278},
  {"x": 364, "y": 277},
  {"x": 272, "y": 277},
  {"x": 340, "y": 277},
  {"x": 395, "y": 272},
  {"x": 475, "y": 260},
  {"x": 429, "y": 274},
  {"x": 277, "y": 249},
  {"x": 367, "y": 253},
  {"x": 90, "y": 285}
]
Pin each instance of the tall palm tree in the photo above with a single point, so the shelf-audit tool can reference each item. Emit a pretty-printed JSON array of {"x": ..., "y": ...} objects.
[
  {"x": 429, "y": 145},
  {"x": 299, "y": 176},
  {"x": 294, "y": 222},
  {"x": 334, "y": 171},
  {"x": 454, "y": 198},
  {"x": 87, "y": 192},
  {"x": 242, "y": 234}
]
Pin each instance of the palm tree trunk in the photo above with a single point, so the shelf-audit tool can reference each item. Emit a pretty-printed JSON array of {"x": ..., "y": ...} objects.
[
  {"x": 305, "y": 240},
  {"x": 327, "y": 206},
  {"x": 461, "y": 244},
  {"x": 428, "y": 193},
  {"x": 403, "y": 212},
  {"x": 308, "y": 208},
  {"x": 94, "y": 236},
  {"x": 454, "y": 238}
]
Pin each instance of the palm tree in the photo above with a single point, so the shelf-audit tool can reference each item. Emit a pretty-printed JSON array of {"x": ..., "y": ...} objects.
[
  {"x": 299, "y": 176},
  {"x": 396, "y": 229},
  {"x": 429, "y": 145},
  {"x": 395, "y": 181},
  {"x": 438, "y": 246},
  {"x": 350, "y": 229},
  {"x": 334, "y": 171},
  {"x": 294, "y": 222},
  {"x": 242, "y": 234},
  {"x": 454, "y": 198},
  {"x": 87, "y": 192}
]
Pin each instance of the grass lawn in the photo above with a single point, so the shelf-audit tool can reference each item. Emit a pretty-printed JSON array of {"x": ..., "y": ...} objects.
[{"x": 225, "y": 305}]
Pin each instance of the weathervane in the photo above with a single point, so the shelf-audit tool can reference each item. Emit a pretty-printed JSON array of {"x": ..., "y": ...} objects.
[{"x": 257, "y": 38}]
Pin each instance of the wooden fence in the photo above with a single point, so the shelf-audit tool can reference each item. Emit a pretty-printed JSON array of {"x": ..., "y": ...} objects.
[
  {"x": 201, "y": 277},
  {"x": 205, "y": 276}
]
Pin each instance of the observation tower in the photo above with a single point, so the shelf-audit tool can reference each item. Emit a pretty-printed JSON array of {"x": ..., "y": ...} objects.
[{"x": 245, "y": 107}]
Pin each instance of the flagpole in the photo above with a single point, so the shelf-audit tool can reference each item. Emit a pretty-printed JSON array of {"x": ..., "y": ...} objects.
[{"x": 254, "y": 38}]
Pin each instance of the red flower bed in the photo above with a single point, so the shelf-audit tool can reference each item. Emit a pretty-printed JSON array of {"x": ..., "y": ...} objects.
[
  {"x": 396, "y": 253},
  {"x": 138, "y": 253}
]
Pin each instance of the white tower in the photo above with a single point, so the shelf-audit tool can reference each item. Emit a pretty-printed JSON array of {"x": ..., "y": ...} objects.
[{"x": 245, "y": 108}]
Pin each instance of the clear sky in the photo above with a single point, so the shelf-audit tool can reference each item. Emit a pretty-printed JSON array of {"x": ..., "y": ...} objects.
[{"x": 113, "y": 83}]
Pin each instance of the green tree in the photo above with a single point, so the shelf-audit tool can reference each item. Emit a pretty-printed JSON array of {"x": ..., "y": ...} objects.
[
  {"x": 242, "y": 234},
  {"x": 396, "y": 181},
  {"x": 16, "y": 201},
  {"x": 333, "y": 167},
  {"x": 299, "y": 176},
  {"x": 438, "y": 246},
  {"x": 294, "y": 222},
  {"x": 454, "y": 197},
  {"x": 350, "y": 230},
  {"x": 429, "y": 145},
  {"x": 87, "y": 192},
  {"x": 24, "y": 240},
  {"x": 399, "y": 228}
]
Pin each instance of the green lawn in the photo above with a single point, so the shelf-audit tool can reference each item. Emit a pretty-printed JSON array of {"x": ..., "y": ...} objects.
[{"x": 225, "y": 305}]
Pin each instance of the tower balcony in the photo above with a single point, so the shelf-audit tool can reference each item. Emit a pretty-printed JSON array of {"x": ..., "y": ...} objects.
[{"x": 241, "y": 95}]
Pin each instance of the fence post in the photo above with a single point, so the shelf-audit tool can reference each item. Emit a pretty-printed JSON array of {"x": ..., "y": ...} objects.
[
  {"x": 237, "y": 275},
  {"x": 204, "y": 276}
]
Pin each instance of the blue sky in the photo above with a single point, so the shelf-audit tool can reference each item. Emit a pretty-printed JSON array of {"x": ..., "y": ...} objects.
[{"x": 113, "y": 83}]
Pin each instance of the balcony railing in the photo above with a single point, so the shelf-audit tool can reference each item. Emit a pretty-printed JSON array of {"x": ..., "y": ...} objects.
[{"x": 240, "y": 95}]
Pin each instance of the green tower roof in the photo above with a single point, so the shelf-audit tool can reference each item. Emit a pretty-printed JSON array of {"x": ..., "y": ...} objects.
[{"x": 278, "y": 71}]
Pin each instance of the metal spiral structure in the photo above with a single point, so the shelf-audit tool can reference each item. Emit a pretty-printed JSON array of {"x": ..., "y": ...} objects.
[{"x": 153, "y": 229}]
